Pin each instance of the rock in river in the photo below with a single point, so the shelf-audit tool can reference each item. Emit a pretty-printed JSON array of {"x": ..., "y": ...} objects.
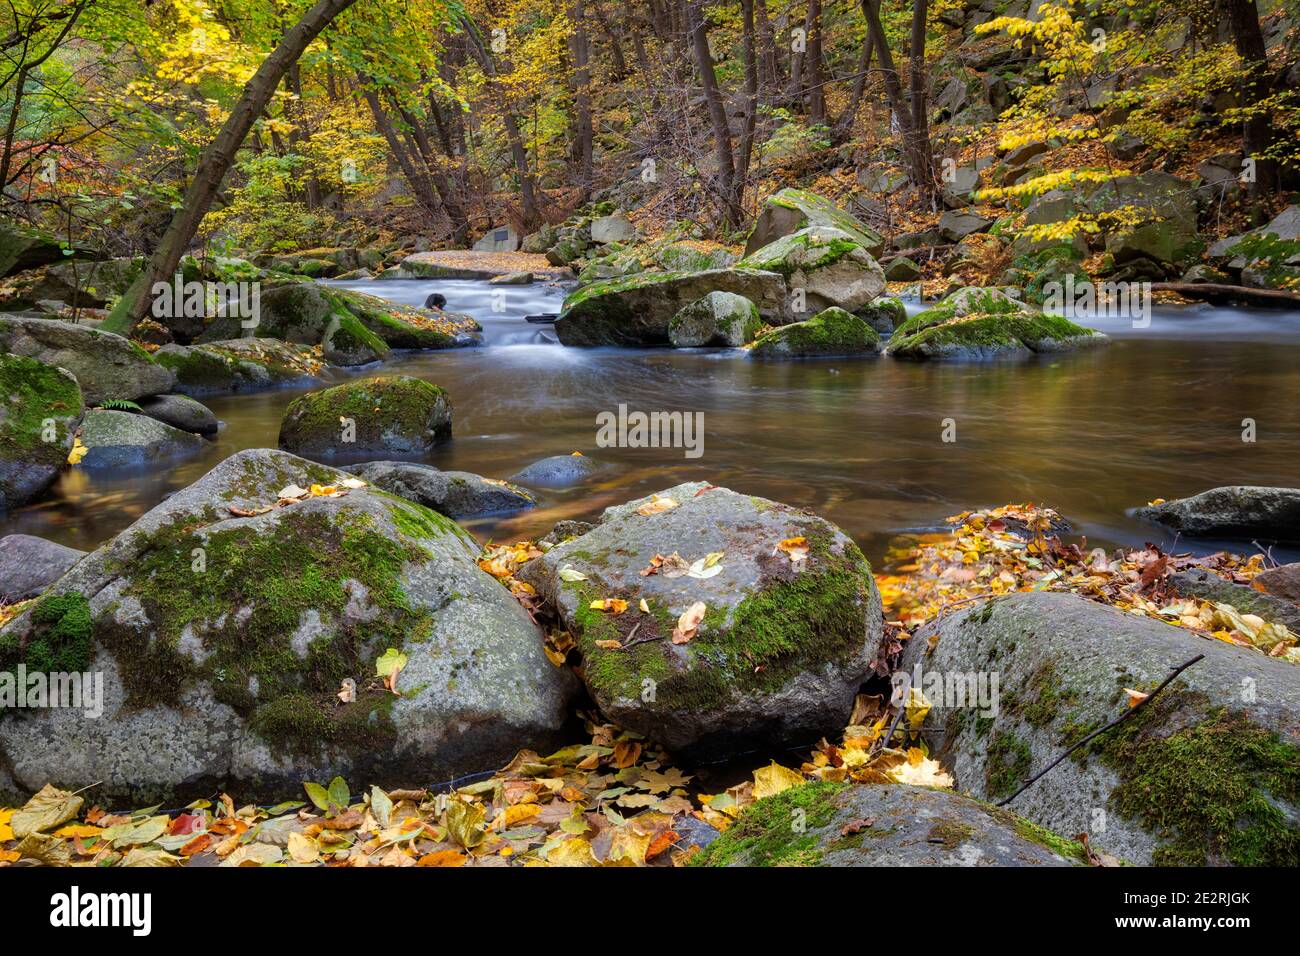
[
  {"x": 558, "y": 471},
  {"x": 832, "y": 332},
  {"x": 829, "y": 266},
  {"x": 126, "y": 440},
  {"x": 183, "y": 412},
  {"x": 456, "y": 494},
  {"x": 720, "y": 319},
  {"x": 1206, "y": 773},
  {"x": 225, "y": 630},
  {"x": 782, "y": 645},
  {"x": 28, "y": 565},
  {"x": 107, "y": 366},
  {"x": 1233, "y": 511},
  {"x": 368, "y": 417},
  {"x": 40, "y": 409},
  {"x": 883, "y": 825},
  {"x": 241, "y": 365}
]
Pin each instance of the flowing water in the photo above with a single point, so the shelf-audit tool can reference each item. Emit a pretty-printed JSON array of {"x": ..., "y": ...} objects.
[{"x": 1159, "y": 413}]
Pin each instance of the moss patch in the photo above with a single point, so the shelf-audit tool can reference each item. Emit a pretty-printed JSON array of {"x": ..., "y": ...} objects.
[
  {"x": 1008, "y": 764},
  {"x": 768, "y": 833},
  {"x": 60, "y": 638}
]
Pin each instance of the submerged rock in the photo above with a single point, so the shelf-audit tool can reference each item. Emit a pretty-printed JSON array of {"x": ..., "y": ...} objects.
[
  {"x": 40, "y": 409},
  {"x": 830, "y": 266},
  {"x": 183, "y": 412},
  {"x": 558, "y": 471},
  {"x": 788, "y": 211},
  {"x": 107, "y": 366},
  {"x": 719, "y": 319},
  {"x": 226, "y": 641},
  {"x": 1204, "y": 774},
  {"x": 780, "y": 650},
  {"x": 28, "y": 565},
  {"x": 240, "y": 365},
  {"x": 126, "y": 440},
  {"x": 1232, "y": 511},
  {"x": 397, "y": 416},
  {"x": 883, "y": 825},
  {"x": 637, "y": 310},
  {"x": 456, "y": 494},
  {"x": 832, "y": 332},
  {"x": 977, "y": 323}
]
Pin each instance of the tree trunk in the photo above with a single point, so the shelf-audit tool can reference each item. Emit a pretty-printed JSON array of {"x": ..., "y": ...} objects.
[
  {"x": 814, "y": 67},
  {"x": 215, "y": 162},
  {"x": 726, "y": 178},
  {"x": 1257, "y": 131},
  {"x": 583, "y": 135}
]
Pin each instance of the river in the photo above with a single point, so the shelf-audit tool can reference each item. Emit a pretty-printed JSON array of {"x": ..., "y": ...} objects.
[{"x": 1159, "y": 413}]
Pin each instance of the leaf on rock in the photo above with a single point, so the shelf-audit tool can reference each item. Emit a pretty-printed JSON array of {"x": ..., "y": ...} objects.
[
  {"x": 49, "y": 808},
  {"x": 688, "y": 624}
]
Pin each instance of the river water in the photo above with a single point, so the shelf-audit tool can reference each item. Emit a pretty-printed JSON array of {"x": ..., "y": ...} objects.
[{"x": 1159, "y": 413}]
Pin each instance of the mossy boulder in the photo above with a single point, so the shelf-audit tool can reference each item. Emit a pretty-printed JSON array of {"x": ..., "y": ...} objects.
[
  {"x": 1207, "y": 773},
  {"x": 720, "y": 318},
  {"x": 456, "y": 494},
  {"x": 782, "y": 647},
  {"x": 22, "y": 247},
  {"x": 400, "y": 416},
  {"x": 637, "y": 310},
  {"x": 790, "y": 210},
  {"x": 107, "y": 366},
  {"x": 226, "y": 630},
  {"x": 884, "y": 314},
  {"x": 827, "y": 265},
  {"x": 832, "y": 332},
  {"x": 183, "y": 412},
  {"x": 1241, "y": 512},
  {"x": 979, "y": 324},
  {"x": 40, "y": 409},
  {"x": 839, "y": 824},
  {"x": 127, "y": 440},
  {"x": 241, "y": 365},
  {"x": 406, "y": 327}
]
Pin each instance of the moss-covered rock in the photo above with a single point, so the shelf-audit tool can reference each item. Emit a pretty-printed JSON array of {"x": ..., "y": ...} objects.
[
  {"x": 790, "y": 210},
  {"x": 977, "y": 324},
  {"x": 368, "y": 418},
  {"x": 127, "y": 440},
  {"x": 107, "y": 366},
  {"x": 837, "y": 824},
  {"x": 827, "y": 266},
  {"x": 40, "y": 409},
  {"x": 241, "y": 365},
  {"x": 405, "y": 327},
  {"x": 782, "y": 646},
  {"x": 22, "y": 247},
  {"x": 720, "y": 319},
  {"x": 224, "y": 642},
  {"x": 832, "y": 332},
  {"x": 636, "y": 310},
  {"x": 1207, "y": 773},
  {"x": 884, "y": 314}
]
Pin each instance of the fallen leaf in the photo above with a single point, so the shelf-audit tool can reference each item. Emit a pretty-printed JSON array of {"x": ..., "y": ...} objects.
[
  {"x": 688, "y": 624},
  {"x": 656, "y": 505},
  {"x": 49, "y": 808}
]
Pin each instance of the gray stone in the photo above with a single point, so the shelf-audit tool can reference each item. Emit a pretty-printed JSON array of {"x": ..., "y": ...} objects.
[
  {"x": 24, "y": 248},
  {"x": 1282, "y": 581},
  {"x": 1023, "y": 154},
  {"x": 885, "y": 825},
  {"x": 829, "y": 265},
  {"x": 376, "y": 573},
  {"x": 1186, "y": 780},
  {"x": 512, "y": 278},
  {"x": 183, "y": 412},
  {"x": 719, "y": 319},
  {"x": 790, "y": 210},
  {"x": 558, "y": 471},
  {"x": 28, "y": 565},
  {"x": 498, "y": 239},
  {"x": 614, "y": 228},
  {"x": 954, "y": 226},
  {"x": 456, "y": 494},
  {"x": 782, "y": 647},
  {"x": 127, "y": 440},
  {"x": 240, "y": 365},
  {"x": 902, "y": 269},
  {"x": 107, "y": 366},
  {"x": 1235, "y": 511},
  {"x": 1210, "y": 587}
]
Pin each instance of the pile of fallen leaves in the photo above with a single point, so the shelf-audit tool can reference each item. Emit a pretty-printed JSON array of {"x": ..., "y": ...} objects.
[{"x": 1019, "y": 548}]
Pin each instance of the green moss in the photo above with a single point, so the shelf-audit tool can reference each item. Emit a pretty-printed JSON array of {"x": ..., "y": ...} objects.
[
  {"x": 350, "y": 335},
  {"x": 302, "y": 723},
  {"x": 60, "y": 638},
  {"x": 984, "y": 331},
  {"x": 1048, "y": 696},
  {"x": 403, "y": 406},
  {"x": 258, "y": 585},
  {"x": 803, "y": 251},
  {"x": 1028, "y": 830},
  {"x": 1007, "y": 765},
  {"x": 767, "y": 832},
  {"x": 1216, "y": 790},
  {"x": 31, "y": 393},
  {"x": 830, "y": 332}
]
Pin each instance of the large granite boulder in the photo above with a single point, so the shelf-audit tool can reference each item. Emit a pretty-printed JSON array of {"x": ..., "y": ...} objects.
[
  {"x": 241, "y": 365},
  {"x": 790, "y": 210},
  {"x": 637, "y": 310},
  {"x": 368, "y": 417},
  {"x": 832, "y": 332},
  {"x": 1244, "y": 512},
  {"x": 1206, "y": 773},
  {"x": 40, "y": 410},
  {"x": 239, "y": 644},
  {"x": 28, "y": 565},
  {"x": 828, "y": 265},
  {"x": 719, "y": 319},
  {"x": 837, "y": 824},
  {"x": 456, "y": 494},
  {"x": 107, "y": 366},
  {"x": 785, "y": 638},
  {"x": 126, "y": 440}
]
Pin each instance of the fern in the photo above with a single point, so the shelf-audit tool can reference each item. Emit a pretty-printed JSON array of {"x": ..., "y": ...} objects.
[{"x": 119, "y": 405}]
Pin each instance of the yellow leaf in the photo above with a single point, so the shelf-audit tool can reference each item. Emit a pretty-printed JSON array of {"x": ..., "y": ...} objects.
[
  {"x": 656, "y": 505},
  {"x": 77, "y": 452},
  {"x": 49, "y": 808},
  {"x": 774, "y": 779},
  {"x": 575, "y": 851},
  {"x": 303, "y": 849}
]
